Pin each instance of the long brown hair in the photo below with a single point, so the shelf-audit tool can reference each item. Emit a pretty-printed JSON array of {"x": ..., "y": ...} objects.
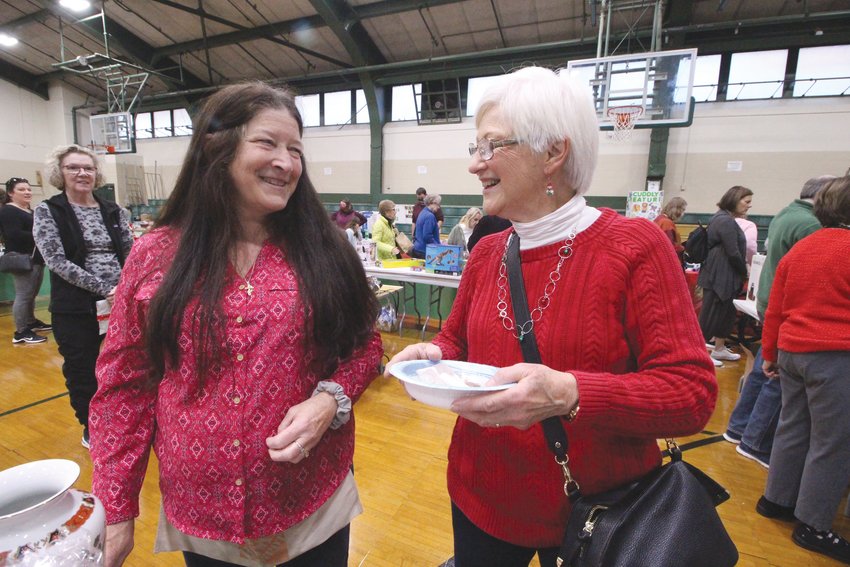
[{"x": 340, "y": 309}]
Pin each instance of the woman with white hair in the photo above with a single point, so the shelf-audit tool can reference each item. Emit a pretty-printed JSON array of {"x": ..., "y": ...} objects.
[
  {"x": 610, "y": 312},
  {"x": 84, "y": 241},
  {"x": 463, "y": 229}
]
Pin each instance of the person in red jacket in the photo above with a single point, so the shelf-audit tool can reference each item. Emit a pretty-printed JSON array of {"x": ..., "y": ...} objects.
[
  {"x": 611, "y": 314},
  {"x": 806, "y": 345}
]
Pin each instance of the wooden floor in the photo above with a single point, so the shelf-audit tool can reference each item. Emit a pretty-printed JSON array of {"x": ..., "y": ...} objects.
[{"x": 400, "y": 462}]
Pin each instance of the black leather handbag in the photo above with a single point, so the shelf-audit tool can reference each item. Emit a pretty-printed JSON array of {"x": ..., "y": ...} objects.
[
  {"x": 15, "y": 263},
  {"x": 665, "y": 519}
]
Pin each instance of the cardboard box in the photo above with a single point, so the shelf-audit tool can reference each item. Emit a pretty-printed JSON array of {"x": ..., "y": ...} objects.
[
  {"x": 443, "y": 258},
  {"x": 367, "y": 251}
]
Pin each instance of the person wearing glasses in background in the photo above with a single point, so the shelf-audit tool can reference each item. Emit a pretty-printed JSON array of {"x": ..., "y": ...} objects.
[
  {"x": 84, "y": 241},
  {"x": 611, "y": 314},
  {"x": 16, "y": 227}
]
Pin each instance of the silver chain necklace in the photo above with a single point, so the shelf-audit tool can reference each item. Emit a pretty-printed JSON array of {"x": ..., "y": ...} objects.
[{"x": 520, "y": 330}]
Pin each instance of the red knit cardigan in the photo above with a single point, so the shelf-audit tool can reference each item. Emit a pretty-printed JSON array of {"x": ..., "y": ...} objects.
[
  {"x": 621, "y": 321},
  {"x": 809, "y": 306}
]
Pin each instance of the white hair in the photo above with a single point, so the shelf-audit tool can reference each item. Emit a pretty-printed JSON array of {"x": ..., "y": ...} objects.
[{"x": 544, "y": 107}]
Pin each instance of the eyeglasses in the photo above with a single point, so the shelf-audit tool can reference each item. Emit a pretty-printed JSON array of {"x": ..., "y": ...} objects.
[
  {"x": 485, "y": 147},
  {"x": 77, "y": 169}
]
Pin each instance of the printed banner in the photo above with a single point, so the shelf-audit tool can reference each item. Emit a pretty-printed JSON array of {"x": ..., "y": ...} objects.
[{"x": 644, "y": 204}]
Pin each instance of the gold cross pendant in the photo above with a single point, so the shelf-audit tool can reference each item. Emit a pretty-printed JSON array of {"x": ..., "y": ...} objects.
[{"x": 249, "y": 289}]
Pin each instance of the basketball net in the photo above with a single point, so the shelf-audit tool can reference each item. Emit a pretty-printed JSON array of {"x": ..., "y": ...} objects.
[
  {"x": 623, "y": 119},
  {"x": 102, "y": 149}
]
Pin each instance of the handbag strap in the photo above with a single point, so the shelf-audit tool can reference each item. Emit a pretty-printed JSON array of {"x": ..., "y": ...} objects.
[{"x": 553, "y": 429}]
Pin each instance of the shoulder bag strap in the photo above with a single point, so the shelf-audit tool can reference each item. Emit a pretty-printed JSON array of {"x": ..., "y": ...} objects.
[{"x": 553, "y": 429}]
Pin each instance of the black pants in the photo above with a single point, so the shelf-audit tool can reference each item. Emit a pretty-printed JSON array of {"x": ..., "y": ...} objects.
[
  {"x": 476, "y": 548},
  {"x": 332, "y": 553},
  {"x": 717, "y": 316},
  {"x": 417, "y": 254},
  {"x": 79, "y": 341}
]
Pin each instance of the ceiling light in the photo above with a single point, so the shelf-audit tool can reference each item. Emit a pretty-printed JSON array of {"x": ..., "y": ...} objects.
[
  {"x": 7, "y": 40},
  {"x": 818, "y": 31},
  {"x": 75, "y": 5}
]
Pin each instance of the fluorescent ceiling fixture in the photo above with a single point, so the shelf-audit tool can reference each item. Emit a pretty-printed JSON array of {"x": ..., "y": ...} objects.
[
  {"x": 8, "y": 40},
  {"x": 75, "y": 5}
]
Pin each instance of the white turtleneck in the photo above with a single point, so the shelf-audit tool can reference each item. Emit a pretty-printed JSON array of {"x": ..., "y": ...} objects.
[{"x": 555, "y": 226}]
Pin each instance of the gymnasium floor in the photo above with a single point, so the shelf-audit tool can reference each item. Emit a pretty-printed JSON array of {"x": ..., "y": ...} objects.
[{"x": 400, "y": 461}]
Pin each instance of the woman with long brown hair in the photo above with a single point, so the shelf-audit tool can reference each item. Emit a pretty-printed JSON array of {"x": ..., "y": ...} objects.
[{"x": 235, "y": 356}]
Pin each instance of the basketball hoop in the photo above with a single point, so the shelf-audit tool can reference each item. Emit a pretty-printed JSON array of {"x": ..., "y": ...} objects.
[{"x": 623, "y": 119}]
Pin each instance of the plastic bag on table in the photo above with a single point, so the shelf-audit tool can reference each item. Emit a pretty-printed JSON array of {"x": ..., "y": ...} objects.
[{"x": 387, "y": 319}]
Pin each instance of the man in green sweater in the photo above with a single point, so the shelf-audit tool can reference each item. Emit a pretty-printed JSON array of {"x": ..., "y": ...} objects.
[
  {"x": 792, "y": 224},
  {"x": 754, "y": 419}
]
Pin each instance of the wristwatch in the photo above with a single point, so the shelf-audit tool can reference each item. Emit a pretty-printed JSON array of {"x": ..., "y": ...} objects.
[{"x": 343, "y": 410}]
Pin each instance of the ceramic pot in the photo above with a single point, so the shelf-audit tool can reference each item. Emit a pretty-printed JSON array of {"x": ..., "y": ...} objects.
[{"x": 45, "y": 522}]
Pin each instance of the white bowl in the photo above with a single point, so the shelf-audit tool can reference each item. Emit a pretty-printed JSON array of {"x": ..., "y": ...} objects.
[
  {"x": 439, "y": 395},
  {"x": 28, "y": 486}
]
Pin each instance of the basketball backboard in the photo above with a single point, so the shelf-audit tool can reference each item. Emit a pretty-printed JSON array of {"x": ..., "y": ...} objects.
[
  {"x": 112, "y": 133},
  {"x": 660, "y": 82}
]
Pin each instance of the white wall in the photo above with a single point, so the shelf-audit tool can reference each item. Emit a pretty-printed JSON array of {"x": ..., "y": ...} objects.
[
  {"x": 779, "y": 144},
  {"x": 338, "y": 158},
  {"x": 163, "y": 158}
]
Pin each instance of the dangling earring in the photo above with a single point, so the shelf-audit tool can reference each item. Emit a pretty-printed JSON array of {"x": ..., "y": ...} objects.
[{"x": 549, "y": 190}]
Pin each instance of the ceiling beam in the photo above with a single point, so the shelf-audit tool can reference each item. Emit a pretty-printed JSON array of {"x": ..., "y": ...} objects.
[
  {"x": 200, "y": 13},
  {"x": 23, "y": 79},
  {"x": 718, "y": 38},
  {"x": 244, "y": 34},
  {"x": 355, "y": 14},
  {"x": 339, "y": 16},
  {"x": 12, "y": 27},
  {"x": 390, "y": 7},
  {"x": 270, "y": 32}
]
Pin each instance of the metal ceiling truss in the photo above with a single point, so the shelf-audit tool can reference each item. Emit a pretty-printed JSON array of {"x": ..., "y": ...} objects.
[
  {"x": 270, "y": 32},
  {"x": 353, "y": 14},
  {"x": 637, "y": 9},
  {"x": 123, "y": 81},
  {"x": 679, "y": 31}
]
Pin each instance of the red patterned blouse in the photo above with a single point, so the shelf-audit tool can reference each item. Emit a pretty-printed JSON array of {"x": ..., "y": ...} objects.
[{"x": 216, "y": 477}]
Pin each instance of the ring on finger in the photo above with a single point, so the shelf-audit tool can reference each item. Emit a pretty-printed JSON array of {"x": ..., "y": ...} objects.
[{"x": 304, "y": 452}]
